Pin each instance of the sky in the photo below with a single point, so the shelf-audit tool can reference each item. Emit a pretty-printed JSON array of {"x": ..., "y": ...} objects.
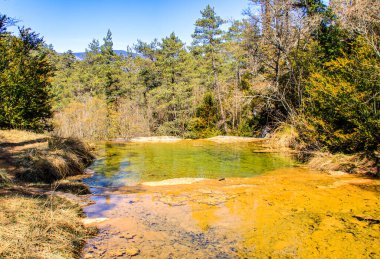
[{"x": 72, "y": 24}]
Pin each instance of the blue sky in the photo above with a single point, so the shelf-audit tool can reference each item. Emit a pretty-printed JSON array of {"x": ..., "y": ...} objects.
[{"x": 72, "y": 24}]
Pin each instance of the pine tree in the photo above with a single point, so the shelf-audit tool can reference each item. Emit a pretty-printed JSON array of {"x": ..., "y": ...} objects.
[
  {"x": 107, "y": 47},
  {"x": 24, "y": 81},
  {"x": 208, "y": 36},
  {"x": 93, "y": 47}
]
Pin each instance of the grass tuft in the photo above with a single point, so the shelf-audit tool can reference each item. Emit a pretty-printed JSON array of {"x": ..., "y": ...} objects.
[
  {"x": 40, "y": 227},
  {"x": 357, "y": 163},
  {"x": 284, "y": 137},
  {"x": 4, "y": 178},
  {"x": 64, "y": 157}
]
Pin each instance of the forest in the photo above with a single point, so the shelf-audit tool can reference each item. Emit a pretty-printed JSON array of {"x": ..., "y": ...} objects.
[{"x": 297, "y": 65}]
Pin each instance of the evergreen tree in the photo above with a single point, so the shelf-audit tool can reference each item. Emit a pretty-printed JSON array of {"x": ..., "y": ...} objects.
[
  {"x": 24, "y": 81},
  {"x": 107, "y": 47},
  {"x": 208, "y": 35},
  {"x": 94, "y": 47}
]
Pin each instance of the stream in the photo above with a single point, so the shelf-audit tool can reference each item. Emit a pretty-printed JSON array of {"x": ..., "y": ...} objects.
[{"x": 200, "y": 199}]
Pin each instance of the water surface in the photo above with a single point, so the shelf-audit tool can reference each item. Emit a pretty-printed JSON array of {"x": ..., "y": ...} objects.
[{"x": 133, "y": 163}]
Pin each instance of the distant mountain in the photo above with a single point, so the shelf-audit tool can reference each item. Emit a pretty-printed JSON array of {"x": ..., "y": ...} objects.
[{"x": 81, "y": 55}]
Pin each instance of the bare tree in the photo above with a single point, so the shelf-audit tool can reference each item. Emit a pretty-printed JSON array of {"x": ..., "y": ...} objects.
[
  {"x": 361, "y": 17},
  {"x": 286, "y": 30}
]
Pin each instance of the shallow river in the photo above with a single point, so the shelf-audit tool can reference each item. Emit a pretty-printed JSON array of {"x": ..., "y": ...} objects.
[{"x": 151, "y": 201}]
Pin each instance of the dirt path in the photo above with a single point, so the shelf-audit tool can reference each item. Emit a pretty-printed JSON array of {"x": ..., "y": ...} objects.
[{"x": 290, "y": 213}]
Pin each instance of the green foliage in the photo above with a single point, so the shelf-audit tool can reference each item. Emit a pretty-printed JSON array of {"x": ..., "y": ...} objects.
[
  {"x": 107, "y": 47},
  {"x": 206, "y": 118},
  {"x": 24, "y": 81},
  {"x": 343, "y": 102},
  {"x": 207, "y": 30},
  {"x": 293, "y": 62}
]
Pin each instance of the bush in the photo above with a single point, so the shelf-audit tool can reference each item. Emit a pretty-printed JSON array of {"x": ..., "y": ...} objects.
[{"x": 342, "y": 105}]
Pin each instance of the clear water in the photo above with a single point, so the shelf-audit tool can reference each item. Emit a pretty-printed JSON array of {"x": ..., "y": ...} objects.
[{"x": 132, "y": 163}]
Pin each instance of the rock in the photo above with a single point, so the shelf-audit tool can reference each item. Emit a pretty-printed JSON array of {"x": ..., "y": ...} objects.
[
  {"x": 88, "y": 221},
  {"x": 221, "y": 179},
  {"x": 122, "y": 252},
  {"x": 132, "y": 251},
  {"x": 117, "y": 253}
]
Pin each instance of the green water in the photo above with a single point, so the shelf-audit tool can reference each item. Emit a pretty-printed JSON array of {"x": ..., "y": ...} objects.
[{"x": 133, "y": 163}]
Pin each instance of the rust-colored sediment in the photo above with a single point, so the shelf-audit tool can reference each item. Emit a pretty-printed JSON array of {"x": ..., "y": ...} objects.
[{"x": 291, "y": 213}]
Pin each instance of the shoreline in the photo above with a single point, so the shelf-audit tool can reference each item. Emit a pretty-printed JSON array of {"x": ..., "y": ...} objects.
[{"x": 173, "y": 139}]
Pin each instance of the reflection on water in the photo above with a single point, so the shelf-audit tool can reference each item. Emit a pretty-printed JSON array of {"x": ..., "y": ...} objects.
[{"x": 133, "y": 163}]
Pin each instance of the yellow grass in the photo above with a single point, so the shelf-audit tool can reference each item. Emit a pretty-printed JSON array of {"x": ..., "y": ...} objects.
[
  {"x": 44, "y": 226},
  {"x": 44, "y": 158},
  {"x": 16, "y": 136},
  {"x": 357, "y": 163},
  {"x": 284, "y": 137},
  {"x": 40, "y": 228}
]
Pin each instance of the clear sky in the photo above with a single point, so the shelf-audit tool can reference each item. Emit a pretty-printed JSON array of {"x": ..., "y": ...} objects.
[{"x": 72, "y": 24}]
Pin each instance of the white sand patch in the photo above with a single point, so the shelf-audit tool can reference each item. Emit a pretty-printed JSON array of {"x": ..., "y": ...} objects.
[
  {"x": 174, "y": 181},
  {"x": 233, "y": 139},
  {"x": 155, "y": 139},
  {"x": 88, "y": 221},
  {"x": 337, "y": 173}
]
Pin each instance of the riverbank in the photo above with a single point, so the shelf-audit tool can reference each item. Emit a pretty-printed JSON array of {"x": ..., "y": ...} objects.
[
  {"x": 287, "y": 213},
  {"x": 26, "y": 201},
  {"x": 36, "y": 217},
  {"x": 171, "y": 139}
]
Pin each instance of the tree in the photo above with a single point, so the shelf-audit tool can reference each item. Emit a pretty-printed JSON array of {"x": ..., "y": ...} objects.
[
  {"x": 208, "y": 35},
  {"x": 94, "y": 47},
  {"x": 343, "y": 102},
  {"x": 5, "y": 22},
  {"x": 171, "y": 101},
  {"x": 107, "y": 47},
  {"x": 25, "y": 74},
  {"x": 362, "y": 18}
]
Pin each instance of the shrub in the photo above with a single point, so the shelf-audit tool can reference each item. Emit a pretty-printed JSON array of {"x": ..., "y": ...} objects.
[{"x": 342, "y": 105}]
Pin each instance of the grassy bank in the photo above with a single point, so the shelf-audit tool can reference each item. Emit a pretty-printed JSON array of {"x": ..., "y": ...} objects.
[
  {"x": 285, "y": 137},
  {"x": 33, "y": 221},
  {"x": 40, "y": 227}
]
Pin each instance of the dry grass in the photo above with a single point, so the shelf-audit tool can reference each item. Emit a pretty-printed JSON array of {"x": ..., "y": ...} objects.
[
  {"x": 40, "y": 228},
  {"x": 284, "y": 137},
  {"x": 62, "y": 158},
  {"x": 75, "y": 187},
  {"x": 16, "y": 136},
  {"x": 357, "y": 163},
  {"x": 48, "y": 226},
  {"x": 4, "y": 178}
]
